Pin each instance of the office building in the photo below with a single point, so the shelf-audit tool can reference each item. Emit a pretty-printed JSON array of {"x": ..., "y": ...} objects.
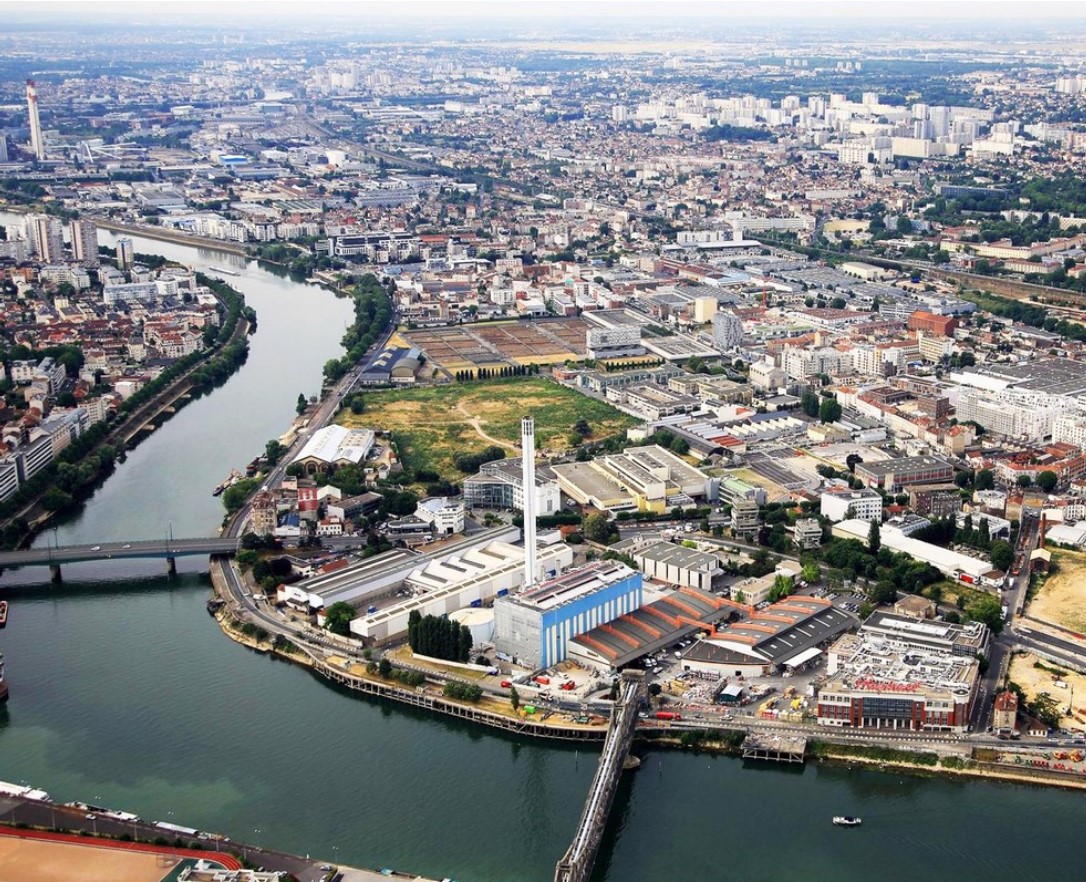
[
  {"x": 877, "y": 683},
  {"x": 85, "y": 242},
  {"x": 37, "y": 143},
  {"x": 841, "y": 503},
  {"x": 535, "y": 627},
  {"x": 500, "y": 484},
  {"x": 444, "y": 516}
]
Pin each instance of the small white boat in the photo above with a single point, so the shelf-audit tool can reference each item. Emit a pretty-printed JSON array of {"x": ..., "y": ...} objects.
[{"x": 846, "y": 821}]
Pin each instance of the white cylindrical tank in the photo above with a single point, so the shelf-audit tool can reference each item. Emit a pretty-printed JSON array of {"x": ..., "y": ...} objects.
[{"x": 479, "y": 621}]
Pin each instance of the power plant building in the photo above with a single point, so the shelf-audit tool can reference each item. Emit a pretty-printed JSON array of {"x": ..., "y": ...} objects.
[{"x": 535, "y": 627}]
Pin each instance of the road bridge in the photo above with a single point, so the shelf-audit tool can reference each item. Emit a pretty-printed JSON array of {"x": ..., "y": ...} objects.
[
  {"x": 576, "y": 864},
  {"x": 164, "y": 549}
]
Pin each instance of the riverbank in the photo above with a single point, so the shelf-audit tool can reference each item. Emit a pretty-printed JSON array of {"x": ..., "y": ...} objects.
[
  {"x": 180, "y": 383},
  {"x": 175, "y": 236}
]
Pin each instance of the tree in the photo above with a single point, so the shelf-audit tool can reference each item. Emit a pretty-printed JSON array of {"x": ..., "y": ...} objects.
[
  {"x": 987, "y": 610},
  {"x": 1046, "y": 709},
  {"x": 1001, "y": 555},
  {"x": 1024, "y": 481},
  {"x": 337, "y": 618},
  {"x": 1047, "y": 480},
  {"x": 985, "y": 480},
  {"x": 984, "y": 534},
  {"x": 384, "y": 668},
  {"x": 811, "y": 572},
  {"x": 514, "y": 697},
  {"x": 829, "y": 411},
  {"x": 884, "y": 592},
  {"x": 874, "y": 537},
  {"x": 597, "y": 528},
  {"x": 809, "y": 401}
]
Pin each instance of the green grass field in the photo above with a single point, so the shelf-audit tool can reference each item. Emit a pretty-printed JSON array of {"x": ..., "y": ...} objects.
[{"x": 431, "y": 424}]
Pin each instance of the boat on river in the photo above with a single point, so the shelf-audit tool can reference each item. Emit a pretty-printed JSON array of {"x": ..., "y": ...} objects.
[
  {"x": 230, "y": 481},
  {"x": 224, "y": 271},
  {"x": 3, "y": 613},
  {"x": 3, "y": 682},
  {"x": 846, "y": 821}
]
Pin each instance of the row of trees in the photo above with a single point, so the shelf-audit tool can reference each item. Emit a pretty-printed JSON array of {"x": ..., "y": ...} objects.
[
  {"x": 516, "y": 370},
  {"x": 438, "y": 637},
  {"x": 372, "y": 313}
]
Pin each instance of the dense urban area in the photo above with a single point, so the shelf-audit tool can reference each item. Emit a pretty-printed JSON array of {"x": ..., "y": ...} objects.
[{"x": 710, "y": 393}]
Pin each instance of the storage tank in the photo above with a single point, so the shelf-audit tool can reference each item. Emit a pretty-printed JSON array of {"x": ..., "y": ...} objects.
[{"x": 479, "y": 621}]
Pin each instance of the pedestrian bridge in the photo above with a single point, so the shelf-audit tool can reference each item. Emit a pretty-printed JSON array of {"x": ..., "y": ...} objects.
[
  {"x": 576, "y": 864},
  {"x": 163, "y": 549}
]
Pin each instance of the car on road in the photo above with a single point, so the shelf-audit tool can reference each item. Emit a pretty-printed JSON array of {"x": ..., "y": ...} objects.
[
  {"x": 96, "y": 548},
  {"x": 126, "y": 546},
  {"x": 92, "y": 817}
]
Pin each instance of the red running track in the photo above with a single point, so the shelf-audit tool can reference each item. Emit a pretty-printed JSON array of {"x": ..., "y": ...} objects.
[{"x": 228, "y": 861}]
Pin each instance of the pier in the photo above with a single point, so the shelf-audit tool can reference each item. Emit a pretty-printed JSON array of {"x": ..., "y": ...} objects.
[
  {"x": 775, "y": 748},
  {"x": 576, "y": 864}
]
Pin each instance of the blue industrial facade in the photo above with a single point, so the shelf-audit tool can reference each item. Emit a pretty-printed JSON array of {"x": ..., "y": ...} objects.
[{"x": 563, "y": 623}]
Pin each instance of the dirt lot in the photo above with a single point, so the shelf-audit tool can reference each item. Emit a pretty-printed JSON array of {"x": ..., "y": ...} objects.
[
  {"x": 1034, "y": 680},
  {"x": 493, "y": 344},
  {"x": 1062, "y": 598},
  {"x": 25, "y": 860},
  {"x": 432, "y": 424}
]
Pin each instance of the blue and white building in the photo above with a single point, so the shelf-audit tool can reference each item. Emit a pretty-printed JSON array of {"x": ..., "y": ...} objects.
[{"x": 535, "y": 627}]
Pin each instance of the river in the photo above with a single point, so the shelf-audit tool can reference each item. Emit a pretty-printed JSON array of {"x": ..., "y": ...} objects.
[{"x": 124, "y": 692}]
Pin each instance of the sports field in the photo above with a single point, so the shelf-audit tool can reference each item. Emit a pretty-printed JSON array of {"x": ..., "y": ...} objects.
[
  {"x": 1062, "y": 598},
  {"x": 432, "y": 424},
  {"x": 29, "y": 860}
]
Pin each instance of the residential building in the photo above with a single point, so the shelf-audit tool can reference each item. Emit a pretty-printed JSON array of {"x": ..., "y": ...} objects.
[
  {"x": 935, "y": 500},
  {"x": 808, "y": 533},
  {"x": 46, "y": 235},
  {"x": 84, "y": 236},
  {"x": 727, "y": 331}
]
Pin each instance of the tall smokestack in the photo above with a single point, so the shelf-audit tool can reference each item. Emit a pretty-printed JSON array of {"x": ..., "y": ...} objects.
[
  {"x": 527, "y": 452},
  {"x": 36, "y": 142},
  {"x": 1044, "y": 528}
]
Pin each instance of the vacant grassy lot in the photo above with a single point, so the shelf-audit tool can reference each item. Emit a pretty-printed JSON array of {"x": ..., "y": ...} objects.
[
  {"x": 1062, "y": 598},
  {"x": 432, "y": 424}
]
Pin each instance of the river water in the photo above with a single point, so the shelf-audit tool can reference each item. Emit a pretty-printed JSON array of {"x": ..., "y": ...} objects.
[{"x": 125, "y": 693}]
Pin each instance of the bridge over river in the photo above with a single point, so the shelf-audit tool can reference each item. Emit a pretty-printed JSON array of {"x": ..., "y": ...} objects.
[{"x": 164, "y": 549}]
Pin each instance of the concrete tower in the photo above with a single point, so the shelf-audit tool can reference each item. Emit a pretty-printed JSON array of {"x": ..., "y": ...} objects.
[
  {"x": 36, "y": 142},
  {"x": 527, "y": 452}
]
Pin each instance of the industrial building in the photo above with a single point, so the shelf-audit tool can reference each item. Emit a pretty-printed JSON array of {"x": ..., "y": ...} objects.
[
  {"x": 892, "y": 474},
  {"x": 392, "y": 365},
  {"x": 335, "y": 446},
  {"x": 500, "y": 484},
  {"x": 649, "y": 628},
  {"x": 672, "y": 563},
  {"x": 953, "y": 564},
  {"x": 787, "y": 634},
  {"x": 646, "y": 478},
  {"x": 881, "y": 683},
  {"x": 535, "y": 627}
]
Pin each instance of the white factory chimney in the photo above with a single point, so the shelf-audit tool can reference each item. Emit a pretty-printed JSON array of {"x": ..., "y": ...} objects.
[
  {"x": 527, "y": 452},
  {"x": 36, "y": 142}
]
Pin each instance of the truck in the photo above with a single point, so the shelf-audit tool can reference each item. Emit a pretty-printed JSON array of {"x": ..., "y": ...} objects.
[
  {"x": 668, "y": 715},
  {"x": 543, "y": 681}
]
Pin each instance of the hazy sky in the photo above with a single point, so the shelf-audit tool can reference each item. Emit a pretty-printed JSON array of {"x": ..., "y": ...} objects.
[{"x": 536, "y": 12}]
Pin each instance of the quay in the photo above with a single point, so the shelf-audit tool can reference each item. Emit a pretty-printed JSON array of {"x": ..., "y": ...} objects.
[{"x": 576, "y": 864}]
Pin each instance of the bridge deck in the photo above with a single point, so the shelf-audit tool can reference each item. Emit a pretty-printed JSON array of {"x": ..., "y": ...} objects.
[
  {"x": 576, "y": 864},
  {"x": 155, "y": 548}
]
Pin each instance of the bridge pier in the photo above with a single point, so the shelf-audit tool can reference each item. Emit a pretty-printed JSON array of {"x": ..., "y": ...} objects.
[
  {"x": 55, "y": 575},
  {"x": 171, "y": 566}
]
